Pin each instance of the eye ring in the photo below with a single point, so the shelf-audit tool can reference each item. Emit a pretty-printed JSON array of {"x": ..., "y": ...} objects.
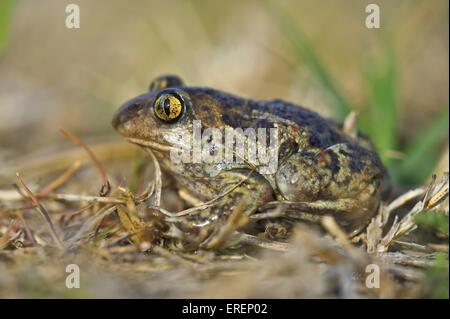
[{"x": 169, "y": 106}]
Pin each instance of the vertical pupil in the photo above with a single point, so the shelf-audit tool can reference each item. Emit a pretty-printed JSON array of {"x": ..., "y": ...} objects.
[{"x": 167, "y": 106}]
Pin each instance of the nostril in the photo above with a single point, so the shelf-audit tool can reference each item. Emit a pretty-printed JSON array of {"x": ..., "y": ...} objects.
[{"x": 123, "y": 114}]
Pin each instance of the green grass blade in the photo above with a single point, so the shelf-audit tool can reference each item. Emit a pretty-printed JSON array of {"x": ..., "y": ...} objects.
[
  {"x": 6, "y": 9},
  {"x": 423, "y": 153},
  {"x": 434, "y": 221},
  {"x": 436, "y": 277},
  {"x": 306, "y": 55},
  {"x": 381, "y": 81}
]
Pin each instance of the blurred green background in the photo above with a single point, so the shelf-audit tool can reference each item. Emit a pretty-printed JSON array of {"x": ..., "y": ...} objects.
[{"x": 315, "y": 53}]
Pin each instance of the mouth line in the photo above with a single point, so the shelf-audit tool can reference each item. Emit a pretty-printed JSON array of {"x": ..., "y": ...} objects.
[{"x": 151, "y": 145}]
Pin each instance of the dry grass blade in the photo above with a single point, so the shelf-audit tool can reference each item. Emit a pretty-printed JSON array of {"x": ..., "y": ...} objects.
[
  {"x": 435, "y": 194},
  {"x": 14, "y": 196},
  {"x": 439, "y": 192},
  {"x": 374, "y": 231},
  {"x": 155, "y": 200},
  {"x": 329, "y": 223},
  {"x": 410, "y": 245},
  {"x": 61, "y": 179},
  {"x": 35, "y": 165},
  {"x": 67, "y": 217},
  {"x": 301, "y": 211},
  {"x": 43, "y": 212},
  {"x": 350, "y": 127},
  {"x": 404, "y": 198},
  {"x": 106, "y": 186},
  {"x": 141, "y": 234},
  {"x": 198, "y": 209},
  {"x": 135, "y": 227},
  {"x": 6, "y": 238},
  {"x": 438, "y": 248},
  {"x": 400, "y": 258},
  {"x": 173, "y": 257},
  {"x": 235, "y": 221},
  {"x": 264, "y": 243},
  {"x": 272, "y": 213},
  {"x": 147, "y": 193},
  {"x": 10, "y": 195},
  {"x": 86, "y": 198},
  {"x": 92, "y": 222},
  {"x": 27, "y": 228}
]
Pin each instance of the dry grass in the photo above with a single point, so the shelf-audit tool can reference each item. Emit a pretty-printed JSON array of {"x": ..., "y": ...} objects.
[
  {"x": 127, "y": 250},
  {"x": 52, "y": 77}
]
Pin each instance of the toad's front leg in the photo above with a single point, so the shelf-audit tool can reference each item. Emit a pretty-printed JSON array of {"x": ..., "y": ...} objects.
[
  {"x": 241, "y": 193},
  {"x": 241, "y": 189}
]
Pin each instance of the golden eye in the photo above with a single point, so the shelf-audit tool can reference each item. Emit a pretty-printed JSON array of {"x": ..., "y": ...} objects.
[{"x": 169, "y": 107}]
